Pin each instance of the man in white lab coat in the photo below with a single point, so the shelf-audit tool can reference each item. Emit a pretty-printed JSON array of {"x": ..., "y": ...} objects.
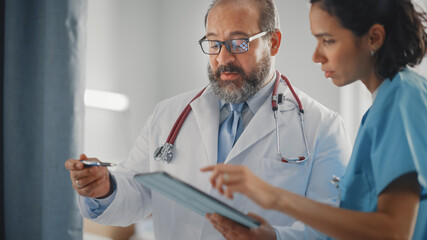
[{"x": 241, "y": 70}]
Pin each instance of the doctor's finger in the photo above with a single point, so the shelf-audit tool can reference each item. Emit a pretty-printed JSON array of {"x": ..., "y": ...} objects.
[
  {"x": 85, "y": 181},
  {"x": 229, "y": 228},
  {"x": 73, "y": 165},
  {"x": 258, "y": 218},
  {"x": 86, "y": 172},
  {"x": 217, "y": 223},
  {"x": 94, "y": 188}
]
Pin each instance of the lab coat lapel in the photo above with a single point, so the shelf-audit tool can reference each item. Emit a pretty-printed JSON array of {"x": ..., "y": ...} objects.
[
  {"x": 206, "y": 112},
  {"x": 261, "y": 125}
]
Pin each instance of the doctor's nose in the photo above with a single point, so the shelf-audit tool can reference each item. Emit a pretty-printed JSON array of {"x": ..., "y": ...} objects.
[{"x": 225, "y": 57}]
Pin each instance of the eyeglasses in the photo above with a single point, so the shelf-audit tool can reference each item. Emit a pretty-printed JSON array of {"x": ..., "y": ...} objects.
[{"x": 234, "y": 46}]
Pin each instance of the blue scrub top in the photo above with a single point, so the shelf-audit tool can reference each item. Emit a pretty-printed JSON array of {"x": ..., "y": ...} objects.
[{"x": 392, "y": 141}]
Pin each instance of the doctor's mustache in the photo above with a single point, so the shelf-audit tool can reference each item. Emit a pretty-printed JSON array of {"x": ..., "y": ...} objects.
[{"x": 228, "y": 68}]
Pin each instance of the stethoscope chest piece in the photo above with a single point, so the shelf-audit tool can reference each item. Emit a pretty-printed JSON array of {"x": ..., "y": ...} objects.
[
  {"x": 164, "y": 153},
  {"x": 280, "y": 98}
]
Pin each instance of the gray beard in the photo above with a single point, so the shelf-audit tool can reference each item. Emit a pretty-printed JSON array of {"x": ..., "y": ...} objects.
[{"x": 251, "y": 84}]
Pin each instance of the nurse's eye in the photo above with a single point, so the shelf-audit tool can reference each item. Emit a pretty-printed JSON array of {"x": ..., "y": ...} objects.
[{"x": 328, "y": 42}]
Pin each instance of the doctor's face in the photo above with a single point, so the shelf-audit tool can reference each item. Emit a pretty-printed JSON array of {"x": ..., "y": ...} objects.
[
  {"x": 237, "y": 77},
  {"x": 344, "y": 57}
]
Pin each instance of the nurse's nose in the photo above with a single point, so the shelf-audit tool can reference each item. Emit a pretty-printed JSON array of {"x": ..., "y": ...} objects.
[{"x": 318, "y": 57}]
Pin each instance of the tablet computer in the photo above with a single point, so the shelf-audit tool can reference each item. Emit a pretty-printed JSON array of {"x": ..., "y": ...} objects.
[{"x": 192, "y": 198}]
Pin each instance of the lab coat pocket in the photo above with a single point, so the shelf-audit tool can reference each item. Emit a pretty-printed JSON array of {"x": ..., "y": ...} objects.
[{"x": 292, "y": 177}]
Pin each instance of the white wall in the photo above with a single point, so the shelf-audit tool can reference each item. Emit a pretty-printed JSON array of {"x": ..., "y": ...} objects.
[{"x": 122, "y": 56}]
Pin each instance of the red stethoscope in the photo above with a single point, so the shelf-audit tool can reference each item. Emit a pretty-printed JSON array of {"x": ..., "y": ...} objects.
[{"x": 164, "y": 153}]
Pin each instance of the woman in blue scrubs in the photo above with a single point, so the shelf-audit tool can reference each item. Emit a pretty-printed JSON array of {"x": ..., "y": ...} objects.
[{"x": 383, "y": 192}]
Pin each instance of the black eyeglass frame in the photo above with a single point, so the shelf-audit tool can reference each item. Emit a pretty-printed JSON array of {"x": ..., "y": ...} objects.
[{"x": 227, "y": 46}]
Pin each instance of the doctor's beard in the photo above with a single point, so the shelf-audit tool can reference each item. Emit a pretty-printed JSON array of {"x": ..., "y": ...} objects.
[{"x": 229, "y": 91}]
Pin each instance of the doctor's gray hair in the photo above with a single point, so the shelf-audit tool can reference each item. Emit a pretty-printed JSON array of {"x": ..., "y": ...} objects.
[{"x": 268, "y": 15}]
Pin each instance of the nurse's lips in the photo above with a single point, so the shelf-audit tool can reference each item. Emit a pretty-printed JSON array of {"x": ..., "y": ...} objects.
[{"x": 329, "y": 74}]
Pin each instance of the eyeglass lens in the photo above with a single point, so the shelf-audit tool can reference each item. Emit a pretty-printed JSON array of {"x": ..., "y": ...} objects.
[{"x": 233, "y": 46}]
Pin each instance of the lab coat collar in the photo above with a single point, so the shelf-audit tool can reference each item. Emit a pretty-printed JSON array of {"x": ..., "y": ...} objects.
[{"x": 206, "y": 112}]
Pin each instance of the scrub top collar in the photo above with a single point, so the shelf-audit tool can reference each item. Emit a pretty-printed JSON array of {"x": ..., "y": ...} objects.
[{"x": 375, "y": 93}]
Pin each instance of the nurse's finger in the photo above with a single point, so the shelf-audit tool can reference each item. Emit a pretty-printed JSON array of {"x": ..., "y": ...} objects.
[
  {"x": 214, "y": 176},
  {"x": 208, "y": 168},
  {"x": 219, "y": 182},
  {"x": 221, "y": 170},
  {"x": 232, "y": 189}
]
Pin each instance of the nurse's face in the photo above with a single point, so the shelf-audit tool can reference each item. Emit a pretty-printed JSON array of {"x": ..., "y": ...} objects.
[
  {"x": 344, "y": 57},
  {"x": 237, "y": 77}
]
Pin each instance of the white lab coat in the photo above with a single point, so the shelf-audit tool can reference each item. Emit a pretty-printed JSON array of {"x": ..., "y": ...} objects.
[{"x": 196, "y": 147}]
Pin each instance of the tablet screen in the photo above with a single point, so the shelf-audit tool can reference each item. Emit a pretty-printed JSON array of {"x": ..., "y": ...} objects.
[{"x": 192, "y": 198}]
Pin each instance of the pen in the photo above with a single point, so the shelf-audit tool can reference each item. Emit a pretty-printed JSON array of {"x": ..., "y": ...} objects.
[{"x": 89, "y": 163}]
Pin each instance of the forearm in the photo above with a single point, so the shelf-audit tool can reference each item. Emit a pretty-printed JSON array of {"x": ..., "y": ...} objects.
[{"x": 341, "y": 223}]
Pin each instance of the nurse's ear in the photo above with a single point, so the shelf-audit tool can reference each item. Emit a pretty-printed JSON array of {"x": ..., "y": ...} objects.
[
  {"x": 376, "y": 37},
  {"x": 275, "y": 40}
]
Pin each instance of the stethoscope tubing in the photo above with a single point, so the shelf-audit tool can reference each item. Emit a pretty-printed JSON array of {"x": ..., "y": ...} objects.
[
  {"x": 274, "y": 106},
  {"x": 180, "y": 121}
]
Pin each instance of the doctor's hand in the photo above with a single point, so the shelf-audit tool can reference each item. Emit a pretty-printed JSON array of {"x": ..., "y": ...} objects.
[
  {"x": 238, "y": 178},
  {"x": 93, "y": 182},
  {"x": 232, "y": 230}
]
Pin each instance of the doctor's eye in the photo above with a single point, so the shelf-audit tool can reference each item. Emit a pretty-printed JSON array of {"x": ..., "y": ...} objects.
[{"x": 215, "y": 45}]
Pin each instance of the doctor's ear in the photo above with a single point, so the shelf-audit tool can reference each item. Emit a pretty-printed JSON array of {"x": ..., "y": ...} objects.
[{"x": 275, "y": 40}]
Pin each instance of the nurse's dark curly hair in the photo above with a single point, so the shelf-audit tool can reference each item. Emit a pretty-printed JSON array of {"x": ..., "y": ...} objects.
[
  {"x": 268, "y": 16},
  {"x": 405, "y": 26}
]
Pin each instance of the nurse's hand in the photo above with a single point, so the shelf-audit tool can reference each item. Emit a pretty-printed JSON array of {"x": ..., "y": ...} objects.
[
  {"x": 93, "y": 182},
  {"x": 239, "y": 178},
  {"x": 232, "y": 230}
]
